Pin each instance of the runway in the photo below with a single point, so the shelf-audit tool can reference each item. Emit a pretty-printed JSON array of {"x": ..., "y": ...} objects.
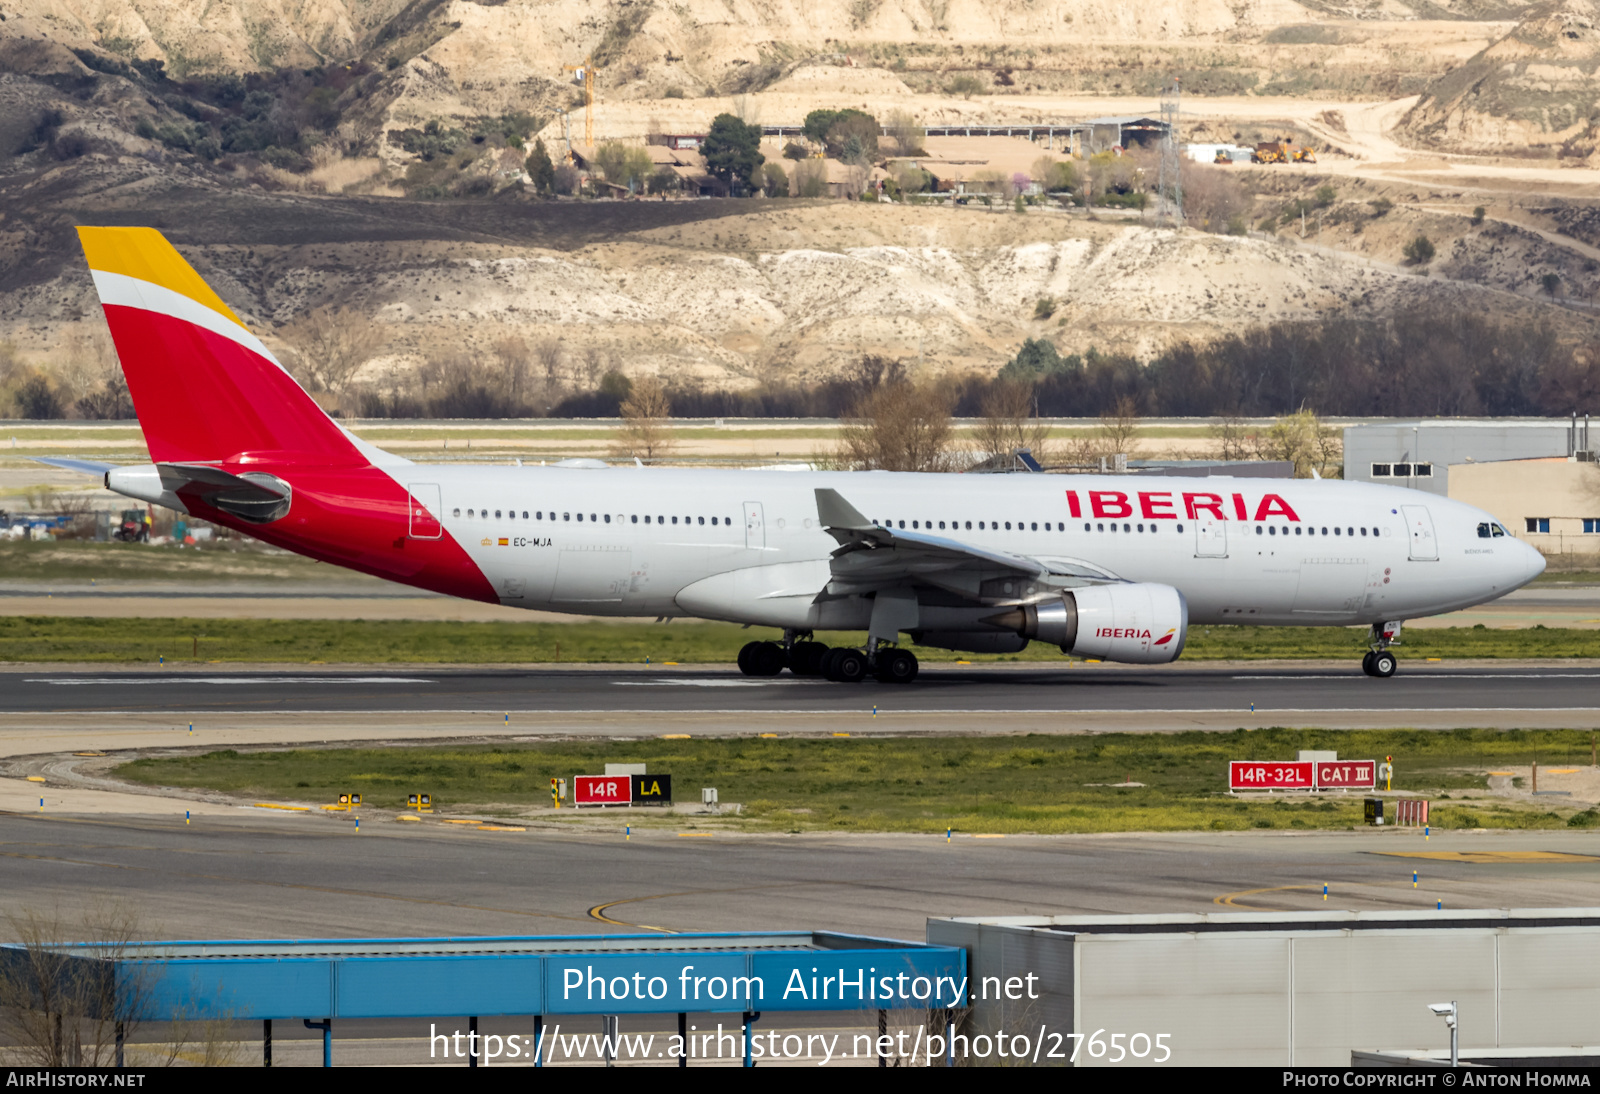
[{"x": 1473, "y": 694}]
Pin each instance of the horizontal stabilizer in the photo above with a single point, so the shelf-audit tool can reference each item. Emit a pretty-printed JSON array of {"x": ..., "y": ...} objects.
[{"x": 88, "y": 467}]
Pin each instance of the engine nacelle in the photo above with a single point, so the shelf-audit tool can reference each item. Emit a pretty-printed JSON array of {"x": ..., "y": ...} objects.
[{"x": 1138, "y": 624}]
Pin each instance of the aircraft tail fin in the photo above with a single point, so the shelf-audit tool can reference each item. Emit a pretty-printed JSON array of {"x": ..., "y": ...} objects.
[{"x": 204, "y": 387}]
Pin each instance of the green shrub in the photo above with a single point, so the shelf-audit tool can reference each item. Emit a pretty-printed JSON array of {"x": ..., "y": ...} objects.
[{"x": 1419, "y": 252}]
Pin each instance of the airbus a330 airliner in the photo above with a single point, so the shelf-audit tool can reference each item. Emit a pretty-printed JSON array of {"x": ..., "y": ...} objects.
[{"x": 1113, "y": 568}]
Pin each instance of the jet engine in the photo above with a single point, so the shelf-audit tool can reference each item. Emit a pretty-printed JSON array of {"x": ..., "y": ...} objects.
[{"x": 1139, "y": 624}]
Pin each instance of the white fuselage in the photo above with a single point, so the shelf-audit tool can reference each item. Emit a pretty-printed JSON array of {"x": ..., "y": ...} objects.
[{"x": 746, "y": 546}]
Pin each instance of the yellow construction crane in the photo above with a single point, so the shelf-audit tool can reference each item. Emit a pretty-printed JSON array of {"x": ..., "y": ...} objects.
[{"x": 584, "y": 74}]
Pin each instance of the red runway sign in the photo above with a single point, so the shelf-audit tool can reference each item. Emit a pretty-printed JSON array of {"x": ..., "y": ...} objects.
[
  {"x": 1257, "y": 775},
  {"x": 1347, "y": 775},
  {"x": 1302, "y": 775},
  {"x": 602, "y": 790}
]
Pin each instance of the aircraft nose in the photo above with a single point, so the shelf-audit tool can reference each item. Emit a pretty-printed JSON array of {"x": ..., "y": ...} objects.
[{"x": 1534, "y": 563}]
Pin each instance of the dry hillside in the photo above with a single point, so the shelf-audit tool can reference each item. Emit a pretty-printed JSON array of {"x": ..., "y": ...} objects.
[
  {"x": 1532, "y": 92},
  {"x": 365, "y": 155}
]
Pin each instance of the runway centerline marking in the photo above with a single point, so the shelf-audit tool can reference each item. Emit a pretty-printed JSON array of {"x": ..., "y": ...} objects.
[
  {"x": 691, "y": 683},
  {"x": 1481, "y": 857},
  {"x": 235, "y": 681}
]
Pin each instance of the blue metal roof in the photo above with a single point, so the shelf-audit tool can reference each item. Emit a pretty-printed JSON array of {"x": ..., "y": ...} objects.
[{"x": 528, "y": 975}]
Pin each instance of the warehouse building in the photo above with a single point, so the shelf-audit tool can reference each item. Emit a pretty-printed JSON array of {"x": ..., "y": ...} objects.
[{"x": 1538, "y": 477}]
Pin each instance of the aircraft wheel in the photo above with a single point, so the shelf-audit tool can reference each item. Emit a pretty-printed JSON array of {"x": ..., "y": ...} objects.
[
  {"x": 746, "y": 658},
  {"x": 897, "y": 666},
  {"x": 1384, "y": 664},
  {"x": 805, "y": 658},
  {"x": 846, "y": 666},
  {"x": 1366, "y": 662},
  {"x": 767, "y": 659}
]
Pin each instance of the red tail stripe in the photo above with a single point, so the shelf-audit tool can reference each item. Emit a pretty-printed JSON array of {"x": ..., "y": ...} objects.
[{"x": 201, "y": 396}]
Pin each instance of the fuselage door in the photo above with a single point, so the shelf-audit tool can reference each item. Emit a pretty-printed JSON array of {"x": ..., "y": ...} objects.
[
  {"x": 1210, "y": 537},
  {"x": 1419, "y": 526},
  {"x": 755, "y": 528},
  {"x": 425, "y": 507}
]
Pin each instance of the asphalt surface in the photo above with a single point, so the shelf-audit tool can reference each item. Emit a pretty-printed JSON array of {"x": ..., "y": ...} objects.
[
  {"x": 1233, "y": 688},
  {"x": 259, "y": 875}
]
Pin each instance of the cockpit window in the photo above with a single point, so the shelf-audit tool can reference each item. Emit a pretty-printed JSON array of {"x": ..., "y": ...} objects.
[
  {"x": 1483, "y": 530},
  {"x": 1497, "y": 530}
]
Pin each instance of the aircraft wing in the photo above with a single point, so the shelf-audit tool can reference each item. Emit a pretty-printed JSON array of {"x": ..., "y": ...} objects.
[{"x": 871, "y": 557}]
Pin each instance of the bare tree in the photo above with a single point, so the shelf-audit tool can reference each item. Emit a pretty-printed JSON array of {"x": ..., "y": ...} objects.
[
  {"x": 899, "y": 426},
  {"x": 516, "y": 361},
  {"x": 1010, "y": 422},
  {"x": 1119, "y": 428},
  {"x": 330, "y": 345},
  {"x": 645, "y": 434},
  {"x": 1234, "y": 440},
  {"x": 60, "y": 1005},
  {"x": 594, "y": 361}
]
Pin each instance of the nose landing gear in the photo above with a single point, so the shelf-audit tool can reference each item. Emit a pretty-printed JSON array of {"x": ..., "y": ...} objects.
[{"x": 1379, "y": 661}]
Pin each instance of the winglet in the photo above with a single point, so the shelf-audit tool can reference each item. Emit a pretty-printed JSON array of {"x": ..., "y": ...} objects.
[{"x": 834, "y": 512}]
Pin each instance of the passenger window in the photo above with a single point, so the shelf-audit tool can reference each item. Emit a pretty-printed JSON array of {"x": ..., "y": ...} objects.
[
  {"x": 1349, "y": 531},
  {"x": 969, "y": 525},
  {"x": 713, "y": 522},
  {"x": 568, "y": 516},
  {"x": 1363, "y": 531},
  {"x": 469, "y": 512},
  {"x": 1008, "y": 526},
  {"x": 1127, "y": 528},
  {"x": 660, "y": 519},
  {"x": 1297, "y": 531},
  {"x": 580, "y": 518},
  {"x": 902, "y": 524},
  {"x": 941, "y": 526},
  {"x": 1035, "y": 527},
  {"x": 913, "y": 524},
  {"x": 1272, "y": 529},
  {"x": 702, "y": 520},
  {"x": 674, "y": 520},
  {"x": 1180, "y": 529},
  {"x": 608, "y": 518},
  {"x": 1086, "y": 526},
  {"x": 980, "y": 526},
  {"x": 1258, "y": 529},
  {"x": 1100, "y": 527},
  {"x": 636, "y": 518},
  {"x": 455, "y": 512}
]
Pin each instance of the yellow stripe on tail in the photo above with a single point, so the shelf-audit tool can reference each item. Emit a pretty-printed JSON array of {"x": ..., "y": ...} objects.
[{"x": 143, "y": 253}]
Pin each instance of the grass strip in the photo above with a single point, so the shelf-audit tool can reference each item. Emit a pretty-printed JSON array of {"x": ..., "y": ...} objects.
[
  {"x": 301, "y": 641},
  {"x": 1034, "y": 783}
]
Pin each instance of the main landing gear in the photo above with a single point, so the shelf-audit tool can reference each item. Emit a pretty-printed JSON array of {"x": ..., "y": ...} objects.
[
  {"x": 1379, "y": 661},
  {"x": 843, "y": 664}
]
